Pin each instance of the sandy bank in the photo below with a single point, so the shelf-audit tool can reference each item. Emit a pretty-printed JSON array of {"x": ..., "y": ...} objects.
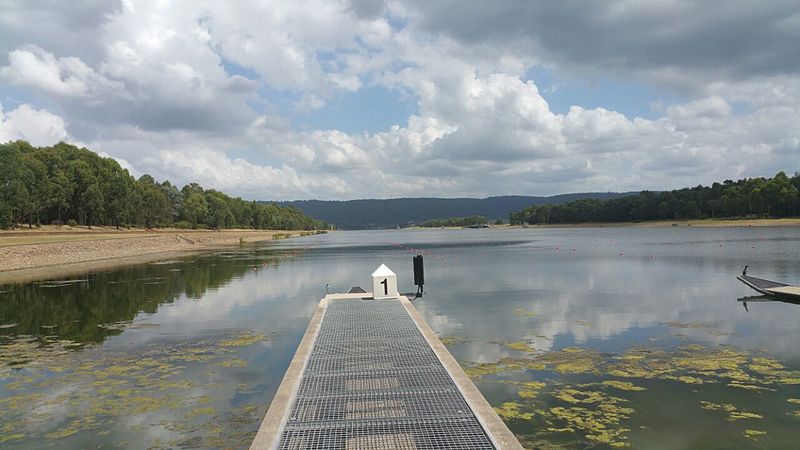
[{"x": 41, "y": 254}]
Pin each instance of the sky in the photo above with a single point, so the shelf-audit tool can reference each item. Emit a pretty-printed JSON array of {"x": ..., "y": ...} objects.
[{"x": 337, "y": 100}]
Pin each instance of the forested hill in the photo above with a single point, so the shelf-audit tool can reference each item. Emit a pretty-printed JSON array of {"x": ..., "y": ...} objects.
[
  {"x": 778, "y": 196},
  {"x": 395, "y": 212},
  {"x": 65, "y": 184}
]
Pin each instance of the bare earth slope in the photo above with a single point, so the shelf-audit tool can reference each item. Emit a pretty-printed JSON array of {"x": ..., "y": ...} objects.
[{"x": 38, "y": 254}]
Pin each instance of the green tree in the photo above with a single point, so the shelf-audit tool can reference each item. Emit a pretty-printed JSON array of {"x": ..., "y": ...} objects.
[
  {"x": 92, "y": 204},
  {"x": 194, "y": 208}
]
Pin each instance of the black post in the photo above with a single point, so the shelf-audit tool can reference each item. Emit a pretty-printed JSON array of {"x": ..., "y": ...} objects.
[{"x": 419, "y": 274}]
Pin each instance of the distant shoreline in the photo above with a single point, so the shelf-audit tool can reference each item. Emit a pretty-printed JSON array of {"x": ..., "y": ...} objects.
[
  {"x": 701, "y": 223},
  {"x": 31, "y": 255}
]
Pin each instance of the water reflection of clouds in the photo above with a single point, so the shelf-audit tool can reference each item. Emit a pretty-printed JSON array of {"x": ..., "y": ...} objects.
[{"x": 594, "y": 294}]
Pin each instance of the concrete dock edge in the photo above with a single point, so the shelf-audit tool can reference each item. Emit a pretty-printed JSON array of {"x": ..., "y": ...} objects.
[
  {"x": 495, "y": 428},
  {"x": 269, "y": 432}
]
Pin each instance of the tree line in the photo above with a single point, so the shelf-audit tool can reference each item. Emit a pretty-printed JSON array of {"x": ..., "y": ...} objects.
[
  {"x": 774, "y": 197},
  {"x": 65, "y": 184},
  {"x": 778, "y": 196},
  {"x": 455, "y": 222}
]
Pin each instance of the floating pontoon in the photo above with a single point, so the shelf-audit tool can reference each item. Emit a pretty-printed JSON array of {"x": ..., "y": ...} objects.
[{"x": 770, "y": 288}]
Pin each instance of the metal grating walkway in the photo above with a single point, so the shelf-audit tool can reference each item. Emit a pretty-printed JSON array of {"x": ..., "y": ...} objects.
[{"x": 373, "y": 382}]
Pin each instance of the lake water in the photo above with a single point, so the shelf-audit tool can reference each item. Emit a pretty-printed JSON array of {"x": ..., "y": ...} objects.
[{"x": 585, "y": 337}]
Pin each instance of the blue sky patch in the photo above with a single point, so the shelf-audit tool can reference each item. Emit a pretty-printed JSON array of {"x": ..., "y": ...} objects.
[
  {"x": 371, "y": 109},
  {"x": 630, "y": 98}
]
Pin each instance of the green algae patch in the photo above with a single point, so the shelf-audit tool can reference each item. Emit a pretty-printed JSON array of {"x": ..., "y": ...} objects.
[
  {"x": 98, "y": 389},
  {"x": 520, "y": 346},
  {"x": 11, "y": 437},
  {"x": 600, "y": 425},
  {"x": 753, "y": 434},
  {"x": 582, "y": 380},
  {"x": 594, "y": 414},
  {"x": 575, "y": 396},
  {"x": 511, "y": 411},
  {"x": 62, "y": 433},
  {"x": 623, "y": 385},
  {"x": 572, "y": 360},
  {"x": 452, "y": 340},
  {"x": 530, "y": 389},
  {"x": 733, "y": 412},
  {"x": 235, "y": 362},
  {"x": 681, "y": 325},
  {"x": 121, "y": 326},
  {"x": 750, "y": 387},
  {"x": 524, "y": 313},
  {"x": 202, "y": 411},
  {"x": 243, "y": 339},
  {"x": 504, "y": 365}
]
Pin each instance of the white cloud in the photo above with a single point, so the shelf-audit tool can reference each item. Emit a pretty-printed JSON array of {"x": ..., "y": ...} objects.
[
  {"x": 36, "y": 68},
  {"x": 191, "y": 91},
  {"x": 39, "y": 127},
  {"x": 217, "y": 170}
]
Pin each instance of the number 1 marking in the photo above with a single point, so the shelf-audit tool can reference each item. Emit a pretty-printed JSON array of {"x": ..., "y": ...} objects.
[{"x": 385, "y": 284}]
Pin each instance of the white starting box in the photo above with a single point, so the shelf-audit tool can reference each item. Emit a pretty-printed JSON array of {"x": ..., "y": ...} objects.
[{"x": 384, "y": 283}]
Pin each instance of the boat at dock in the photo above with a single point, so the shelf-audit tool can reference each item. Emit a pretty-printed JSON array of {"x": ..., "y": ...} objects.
[{"x": 770, "y": 288}]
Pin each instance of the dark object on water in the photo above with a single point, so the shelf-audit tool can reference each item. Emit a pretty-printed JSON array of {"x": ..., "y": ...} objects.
[
  {"x": 419, "y": 275},
  {"x": 770, "y": 288},
  {"x": 419, "y": 271},
  {"x": 356, "y": 290}
]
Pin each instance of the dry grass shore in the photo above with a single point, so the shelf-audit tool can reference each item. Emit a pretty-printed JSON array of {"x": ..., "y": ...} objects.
[{"x": 27, "y": 255}]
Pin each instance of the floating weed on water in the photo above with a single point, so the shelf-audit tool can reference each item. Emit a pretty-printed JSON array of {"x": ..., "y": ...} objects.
[
  {"x": 62, "y": 433},
  {"x": 11, "y": 437},
  {"x": 583, "y": 323},
  {"x": 520, "y": 346},
  {"x": 243, "y": 339},
  {"x": 203, "y": 411},
  {"x": 700, "y": 359},
  {"x": 503, "y": 365},
  {"x": 511, "y": 411},
  {"x": 524, "y": 313},
  {"x": 623, "y": 385},
  {"x": 765, "y": 365},
  {"x": 127, "y": 325},
  {"x": 733, "y": 412},
  {"x": 574, "y": 360},
  {"x": 686, "y": 379},
  {"x": 529, "y": 389},
  {"x": 751, "y": 387},
  {"x": 599, "y": 421},
  {"x": 575, "y": 396},
  {"x": 688, "y": 325},
  {"x": 63, "y": 392},
  {"x": 719, "y": 333},
  {"x": 593, "y": 415},
  {"x": 452, "y": 340},
  {"x": 235, "y": 362},
  {"x": 753, "y": 434}
]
